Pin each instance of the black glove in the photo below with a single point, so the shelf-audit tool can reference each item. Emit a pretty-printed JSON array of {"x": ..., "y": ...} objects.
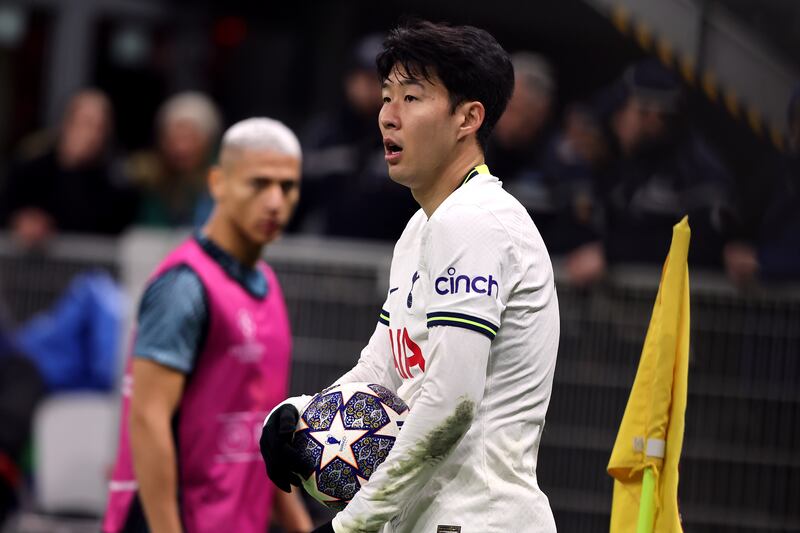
[
  {"x": 325, "y": 528},
  {"x": 283, "y": 462}
]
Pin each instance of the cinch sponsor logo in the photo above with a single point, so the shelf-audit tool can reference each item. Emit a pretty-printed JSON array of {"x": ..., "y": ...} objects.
[{"x": 453, "y": 284}]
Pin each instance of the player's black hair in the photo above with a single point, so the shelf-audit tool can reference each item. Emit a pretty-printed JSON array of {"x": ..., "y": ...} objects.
[{"x": 469, "y": 61}]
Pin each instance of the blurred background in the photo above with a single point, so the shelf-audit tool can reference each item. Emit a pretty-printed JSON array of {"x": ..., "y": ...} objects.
[{"x": 626, "y": 115}]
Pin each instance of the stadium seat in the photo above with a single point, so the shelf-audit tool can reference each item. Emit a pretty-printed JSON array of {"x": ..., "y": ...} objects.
[{"x": 73, "y": 436}]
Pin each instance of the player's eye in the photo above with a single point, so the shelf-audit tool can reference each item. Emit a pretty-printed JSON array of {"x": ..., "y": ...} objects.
[
  {"x": 259, "y": 183},
  {"x": 410, "y": 98},
  {"x": 386, "y": 99},
  {"x": 288, "y": 186}
]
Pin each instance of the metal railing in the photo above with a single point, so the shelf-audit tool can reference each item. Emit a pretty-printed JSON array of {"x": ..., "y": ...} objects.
[{"x": 740, "y": 467}]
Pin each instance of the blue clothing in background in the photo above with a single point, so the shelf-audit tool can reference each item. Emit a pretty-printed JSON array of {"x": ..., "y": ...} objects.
[
  {"x": 173, "y": 314},
  {"x": 75, "y": 345}
]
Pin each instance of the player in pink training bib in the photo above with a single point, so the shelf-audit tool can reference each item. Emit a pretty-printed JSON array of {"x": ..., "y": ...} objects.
[{"x": 211, "y": 357}]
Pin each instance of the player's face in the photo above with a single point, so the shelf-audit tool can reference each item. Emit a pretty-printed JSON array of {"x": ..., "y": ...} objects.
[
  {"x": 639, "y": 122},
  {"x": 419, "y": 130},
  {"x": 259, "y": 192}
]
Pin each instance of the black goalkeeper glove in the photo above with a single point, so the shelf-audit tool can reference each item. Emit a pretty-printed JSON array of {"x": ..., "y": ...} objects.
[
  {"x": 325, "y": 528},
  {"x": 283, "y": 462}
]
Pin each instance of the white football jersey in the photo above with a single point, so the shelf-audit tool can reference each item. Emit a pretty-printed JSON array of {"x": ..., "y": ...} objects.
[{"x": 471, "y": 304}]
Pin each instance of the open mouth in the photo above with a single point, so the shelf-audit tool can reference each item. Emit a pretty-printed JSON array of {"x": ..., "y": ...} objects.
[{"x": 392, "y": 148}]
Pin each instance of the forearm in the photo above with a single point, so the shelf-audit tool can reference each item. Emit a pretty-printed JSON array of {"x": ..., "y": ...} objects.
[
  {"x": 156, "y": 471},
  {"x": 442, "y": 414},
  {"x": 290, "y": 513}
]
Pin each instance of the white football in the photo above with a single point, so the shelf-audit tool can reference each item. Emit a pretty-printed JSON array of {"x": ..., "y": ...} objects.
[{"x": 344, "y": 433}]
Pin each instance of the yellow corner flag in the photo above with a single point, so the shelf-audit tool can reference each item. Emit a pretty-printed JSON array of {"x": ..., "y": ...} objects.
[{"x": 648, "y": 445}]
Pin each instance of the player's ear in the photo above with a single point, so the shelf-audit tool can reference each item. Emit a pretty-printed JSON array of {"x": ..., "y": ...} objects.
[
  {"x": 472, "y": 115},
  {"x": 216, "y": 182}
]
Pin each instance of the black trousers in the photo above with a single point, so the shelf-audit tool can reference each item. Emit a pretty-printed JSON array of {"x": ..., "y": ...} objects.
[{"x": 21, "y": 388}]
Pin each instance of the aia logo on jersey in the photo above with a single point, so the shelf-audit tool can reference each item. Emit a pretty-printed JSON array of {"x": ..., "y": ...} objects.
[
  {"x": 406, "y": 353},
  {"x": 453, "y": 284}
]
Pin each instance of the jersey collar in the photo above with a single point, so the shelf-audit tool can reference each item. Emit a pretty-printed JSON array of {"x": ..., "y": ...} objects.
[
  {"x": 480, "y": 169},
  {"x": 251, "y": 279}
]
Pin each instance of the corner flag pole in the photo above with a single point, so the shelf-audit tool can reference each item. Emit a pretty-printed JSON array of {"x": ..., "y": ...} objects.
[{"x": 647, "y": 508}]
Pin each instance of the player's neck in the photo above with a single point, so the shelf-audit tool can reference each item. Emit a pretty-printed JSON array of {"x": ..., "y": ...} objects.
[
  {"x": 229, "y": 238},
  {"x": 445, "y": 180}
]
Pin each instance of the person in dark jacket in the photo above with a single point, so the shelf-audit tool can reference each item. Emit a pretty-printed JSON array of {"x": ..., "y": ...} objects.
[
  {"x": 76, "y": 185},
  {"x": 346, "y": 189},
  {"x": 652, "y": 170},
  {"x": 768, "y": 243},
  {"x": 21, "y": 388}
]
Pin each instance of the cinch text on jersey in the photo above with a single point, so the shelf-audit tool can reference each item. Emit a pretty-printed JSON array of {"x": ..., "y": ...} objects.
[{"x": 452, "y": 284}]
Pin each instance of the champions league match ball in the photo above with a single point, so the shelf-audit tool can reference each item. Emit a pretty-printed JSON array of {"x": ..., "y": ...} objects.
[{"x": 344, "y": 433}]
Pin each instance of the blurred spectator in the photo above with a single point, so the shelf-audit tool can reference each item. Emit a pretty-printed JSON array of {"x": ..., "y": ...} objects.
[
  {"x": 21, "y": 388},
  {"x": 346, "y": 186},
  {"x": 73, "y": 346},
  {"x": 172, "y": 177},
  {"x": 769, "y": 237},
  {"x": 533, "y": 163},
  {"x": 516, "y": 148},
  {"x": 76, "y": 344},
  {"x": 650, "y": 169},
  {"x": 566, "y": 164},
  {"x": 75, "y": 186}
]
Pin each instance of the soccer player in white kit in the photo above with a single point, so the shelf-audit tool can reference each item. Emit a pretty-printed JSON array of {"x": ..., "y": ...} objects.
[{"x": 469, "y": 330}]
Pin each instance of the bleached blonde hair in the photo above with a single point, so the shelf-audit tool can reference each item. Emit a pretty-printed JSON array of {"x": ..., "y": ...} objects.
[{"x": 262, "y": 133}]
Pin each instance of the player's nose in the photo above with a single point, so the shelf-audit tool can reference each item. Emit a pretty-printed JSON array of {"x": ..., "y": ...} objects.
[
  {"x": 388, "y": 118},
  {"x": 273, "y": 197}
]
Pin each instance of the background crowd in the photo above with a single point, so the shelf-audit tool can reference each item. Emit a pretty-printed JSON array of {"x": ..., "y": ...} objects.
[{"x": 604, "y": 176}]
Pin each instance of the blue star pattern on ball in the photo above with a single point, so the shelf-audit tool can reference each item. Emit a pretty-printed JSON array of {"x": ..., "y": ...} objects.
[
  {"x": 389, "y": 398},
  {"x": 344, "y": 434},
  {"x": 319, "y": 414},
  {"x": 364, "y": 411},
  {"x": 372, "y": 451}
]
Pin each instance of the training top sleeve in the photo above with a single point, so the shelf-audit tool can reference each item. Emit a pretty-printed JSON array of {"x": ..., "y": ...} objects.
[
  {"x": 172, "y": 320},
  {"x": 471, "y": 264}
]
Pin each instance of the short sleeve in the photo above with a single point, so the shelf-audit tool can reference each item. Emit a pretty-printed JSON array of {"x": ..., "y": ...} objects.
[
  {"x": 172, "y": 320},
  {"x": 469, "y": 258}
]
